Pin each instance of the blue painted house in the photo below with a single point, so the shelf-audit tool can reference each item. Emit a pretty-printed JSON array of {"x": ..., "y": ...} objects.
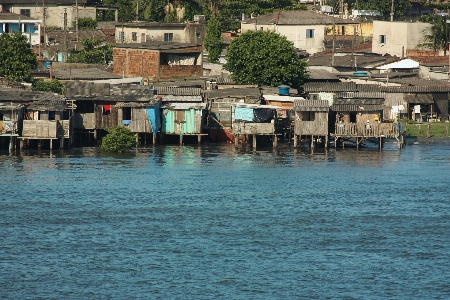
[{"x": 31, "y": 28}]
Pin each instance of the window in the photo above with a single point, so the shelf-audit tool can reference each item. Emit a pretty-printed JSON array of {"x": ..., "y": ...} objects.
[
  {"x": 126, "y": 113},
  {"x": 134, "y": 36},
  {"x": 121, "y": 36},
  {"x": 197, "y": 35},
  {"x": 382, "y": 40},
  {"x": 168, "y": 37},
  {"x": 25, "y": 12},
  {"x": 309, "y": 33}
]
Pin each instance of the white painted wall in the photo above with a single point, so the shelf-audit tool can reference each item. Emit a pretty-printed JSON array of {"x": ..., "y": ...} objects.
[{"x": 399, "y": 35}]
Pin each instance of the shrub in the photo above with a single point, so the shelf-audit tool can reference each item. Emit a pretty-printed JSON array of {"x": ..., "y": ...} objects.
[{"x": 119, "y": 139}]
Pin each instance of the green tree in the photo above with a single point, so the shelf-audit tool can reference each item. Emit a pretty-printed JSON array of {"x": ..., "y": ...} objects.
[
  {"x": 213, "y": 40},
  {"x": 437, "y": 36},
  {"x": 95, "y": 51},
  {"x": 384, "y": 6},
  {"x": 16, "y": 57},
  {"x": 264, "y": 58},
  {"x": 53, "y": 85},
  {"x": 85, "y": 23},
  {"x": 119, "y": 139}
]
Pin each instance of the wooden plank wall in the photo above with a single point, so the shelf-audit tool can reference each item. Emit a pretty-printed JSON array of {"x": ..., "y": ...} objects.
[
  {"x": 253, "y": 128},
  {"x": 317, "y": 128}
]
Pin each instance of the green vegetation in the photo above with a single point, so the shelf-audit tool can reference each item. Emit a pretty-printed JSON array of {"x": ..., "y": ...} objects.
[
  {"x": 437, "y": 36},
  {"x": 265, "y": 58},
  {"x": 400, "y": 6},
  {"x": 95, "y": 52},
  {"x": 213, "y": 40},
  {"x": 16, "y": 57},
  {"x": 119, "y": 139},
  {"x": 423, "y": 130},
  {"x": 85, "y": 23},
  {"x": 49, "y": 86}
]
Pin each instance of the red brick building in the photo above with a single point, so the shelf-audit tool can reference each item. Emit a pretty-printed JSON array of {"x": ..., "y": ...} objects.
[{"x": 158, "y": 60}]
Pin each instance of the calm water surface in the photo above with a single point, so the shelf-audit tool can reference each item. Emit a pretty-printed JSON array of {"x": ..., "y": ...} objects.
[{"x": 212, "y": 222}]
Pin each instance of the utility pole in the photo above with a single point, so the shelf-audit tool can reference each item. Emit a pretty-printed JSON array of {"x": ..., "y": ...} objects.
[
  {"x": 392, "y": 10},
  {"x": 65, "y": 33},
  {"x": 76, "y": 18},
  {"x": 137, "y": 10},
  {"x": 43, "y": 17}
]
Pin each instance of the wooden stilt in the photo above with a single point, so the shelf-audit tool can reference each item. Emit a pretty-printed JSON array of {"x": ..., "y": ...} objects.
[
  {"x": 39, "y": 144},
  {"x": 10, "y": 144},
  {"x": 181, "y": 140},
  {"x": 326, "y": 141},
  {"x": 236, "y": 140},
  {"x": 275, "y": 141},
  {"x": 137, "y": 139},
  {"x": 21, "y": 144},
  {"x": 199, "y": 139},
  {"x": 61, "y": 143},
  {"x": 254, "y": 142},
  {"x": 154, "y": 139},
  {"x": 295, "y": 140},
  {"x": 357, "y": 143},
  {"x": 312, "y": 141},
  {"x": 51, "y": 144}
]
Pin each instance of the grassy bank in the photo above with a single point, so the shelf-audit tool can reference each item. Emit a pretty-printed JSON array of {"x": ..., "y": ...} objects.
[{"x": 423, "y": 130}]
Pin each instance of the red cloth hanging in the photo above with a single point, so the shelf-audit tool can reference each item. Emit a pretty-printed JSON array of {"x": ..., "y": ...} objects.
[{"x": 106, "y": 108}]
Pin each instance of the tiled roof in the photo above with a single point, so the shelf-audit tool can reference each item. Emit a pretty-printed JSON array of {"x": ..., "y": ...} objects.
[
  {"x": 431, "y": 60},
  {"x": 298, "y": 17},
  {"x": 330, "y": 87}
]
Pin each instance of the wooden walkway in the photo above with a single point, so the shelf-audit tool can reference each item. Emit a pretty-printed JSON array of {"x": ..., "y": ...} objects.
[{"x": 353, "y": 132}]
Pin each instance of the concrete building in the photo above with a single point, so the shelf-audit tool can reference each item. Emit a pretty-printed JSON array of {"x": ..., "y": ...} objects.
[
  {"x": 158, "y": 60},
  {"x": 306, "y": 29},
  {"x": 54, "y": 10},
  {"x": 395, "y": 38},
  {"x": 141, "y": 32},
  {"x": 31, "y": 28}
]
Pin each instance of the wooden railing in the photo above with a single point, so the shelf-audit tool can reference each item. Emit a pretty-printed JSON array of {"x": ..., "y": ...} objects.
[{"x": 362, "y": 130}]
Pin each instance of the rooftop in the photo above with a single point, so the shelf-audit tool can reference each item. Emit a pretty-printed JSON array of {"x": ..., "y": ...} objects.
[
  {"x": 157, "y": 45},
  {"x": 8, "y": 16},
  {"x": 298, "y": 17}
]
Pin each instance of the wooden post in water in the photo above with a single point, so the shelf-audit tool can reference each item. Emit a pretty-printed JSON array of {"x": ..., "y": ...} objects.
[
  {"x": 236, "y": 140},
  {"x": 275, "y": 141},
  {"x": 39, "y": 144},
  {"x": 357, "y": 143},
  {"x": 181, "y": 140},
  {"x": 326, "y": 142},
  {"x": 295, "y": 140},
  {"x": 154, "y": 139},
  {"x": 199, "y": 139},
  {"x": 446, "y": 129},
  {"x": 51, "y": 144},
  {"x": 428, "y": 130},
  {"x": 21, "y": 143},
  {"x": 312, "y": 141},
  {"x": 254, "y": 142},
  {"x": 61, "y": 144}
]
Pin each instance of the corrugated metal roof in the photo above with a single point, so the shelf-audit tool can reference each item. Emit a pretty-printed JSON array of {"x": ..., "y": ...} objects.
[
  {"x": 419, "y": 98},
  {"x": 416, "y": 89},
  {"x": 179, "y": 91},
  {"x": 358, "y": 105},
  {"x": 173, "y": 98},
  {"x": 362, "y": 95},
  {"x": 136, "y": 104},
  {"x": 52, "y": 105},
  {"x": 330, "y": 87},
  {"x": 311, "y": 105},
  {"x": 183, "y": 106},
  {"x": 27, "y": 95},
  {"x": 91, "y": 73},
  {"x": 369, "y": 88}
]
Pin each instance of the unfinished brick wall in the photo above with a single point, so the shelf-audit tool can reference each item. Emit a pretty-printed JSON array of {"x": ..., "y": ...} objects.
[
  {"x": 151, "y": 63},
  {"x": 119, "y": 60},
  {"x": 168, "y": 71},
  {"x": 421, "y": 53},
  {"x": 134, "y": 63}
]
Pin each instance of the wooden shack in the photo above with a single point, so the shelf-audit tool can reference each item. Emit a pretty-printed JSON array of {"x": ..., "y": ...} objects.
[
  {"x": 183, "y": 119},
  {"x": 254, "y": 120},
  {"x": 311, "y": 119}
]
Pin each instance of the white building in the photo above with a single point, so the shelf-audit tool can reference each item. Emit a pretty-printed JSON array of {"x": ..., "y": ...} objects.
[
  {"x": 306, "y": 29},
  {"x": 395, "y": 38}
]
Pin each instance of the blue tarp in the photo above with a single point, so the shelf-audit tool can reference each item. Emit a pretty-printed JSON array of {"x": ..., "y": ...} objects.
[
  {"x": 243, "y": 114},
  {"x": 154, "y": 117}
]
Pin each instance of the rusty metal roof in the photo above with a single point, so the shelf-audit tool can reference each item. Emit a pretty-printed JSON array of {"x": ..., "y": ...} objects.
[{"x": 298, "y": 17}]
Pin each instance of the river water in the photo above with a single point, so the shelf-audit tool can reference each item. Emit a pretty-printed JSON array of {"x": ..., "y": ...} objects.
[{"x": 212, "y": 222}]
